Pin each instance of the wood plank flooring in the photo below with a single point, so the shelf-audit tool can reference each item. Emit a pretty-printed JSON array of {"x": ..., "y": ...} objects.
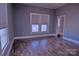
[{"x": 45, "y": 46}]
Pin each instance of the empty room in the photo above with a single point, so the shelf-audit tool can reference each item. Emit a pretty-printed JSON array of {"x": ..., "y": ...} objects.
[{"x": 39, "y": 29}]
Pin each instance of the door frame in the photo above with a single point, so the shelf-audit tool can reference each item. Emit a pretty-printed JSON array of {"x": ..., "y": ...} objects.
[{"x": 63, "y": 24}]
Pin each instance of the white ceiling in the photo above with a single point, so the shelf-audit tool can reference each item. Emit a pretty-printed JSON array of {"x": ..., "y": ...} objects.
[{"x": 47, "y": 5}]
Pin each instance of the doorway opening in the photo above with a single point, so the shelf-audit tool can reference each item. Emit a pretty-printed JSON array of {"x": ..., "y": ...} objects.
[{"x": 60, "y": 25}]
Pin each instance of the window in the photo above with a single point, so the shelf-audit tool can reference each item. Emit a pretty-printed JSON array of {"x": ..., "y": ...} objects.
[
  {"x": 39, "y": 22},
  {"x": 43, "y": 28},
  {"x": 35, "y": 28},
  {"x": 4, "y": 38}
]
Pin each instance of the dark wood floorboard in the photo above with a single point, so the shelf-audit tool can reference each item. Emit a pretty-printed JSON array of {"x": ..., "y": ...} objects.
[{"x": 46, "y": 46}]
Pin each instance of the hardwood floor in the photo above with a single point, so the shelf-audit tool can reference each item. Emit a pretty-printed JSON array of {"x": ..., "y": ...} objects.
[{"x": 45, "y": 46}]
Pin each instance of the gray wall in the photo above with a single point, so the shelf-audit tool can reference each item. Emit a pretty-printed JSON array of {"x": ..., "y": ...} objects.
[
  {"x": 6, "y": 17},
  {"x": 71, "y": 11},
  {"x": 22, "y": 18}
]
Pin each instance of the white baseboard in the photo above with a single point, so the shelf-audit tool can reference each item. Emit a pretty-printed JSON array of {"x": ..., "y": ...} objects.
[
  {"x": 71, "y": 40},
  {"x": 10, "y": 48},
  {"x": 34, "y": 36}
]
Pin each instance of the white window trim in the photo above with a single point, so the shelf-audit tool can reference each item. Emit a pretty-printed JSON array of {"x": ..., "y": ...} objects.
[{"x": 39, "y": 22}]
